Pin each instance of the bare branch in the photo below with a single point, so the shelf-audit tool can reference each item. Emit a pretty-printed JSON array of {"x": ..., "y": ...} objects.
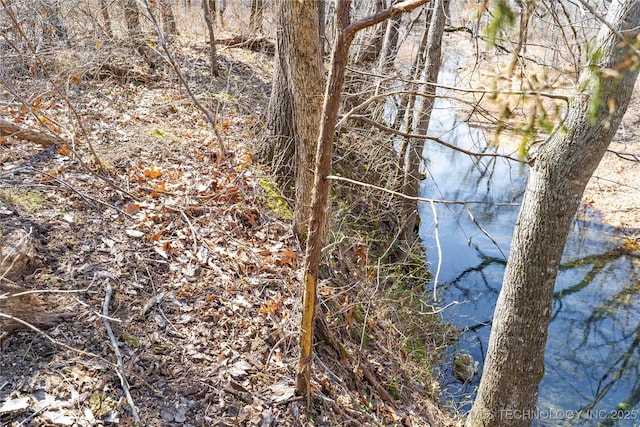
[
  {"x": 405, "y": 6},
  {"x": 120, "y": 366},
  {"x": 625, "y": 156},
  {"x": 417, "y": 199},
  {"x": 434, "y": 139}
]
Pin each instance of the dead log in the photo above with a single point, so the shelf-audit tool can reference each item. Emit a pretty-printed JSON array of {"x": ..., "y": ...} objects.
[
  {"x": 18, "y": 258},
  {"x": 123, "y": 73},
  {"x": 27, "y": 307},
  {"x": 13, "y": 130},
  {"x": 256, "y": 44}
]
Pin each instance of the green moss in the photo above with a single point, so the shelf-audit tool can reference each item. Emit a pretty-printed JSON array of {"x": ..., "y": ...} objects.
[
  {"x": 130, "y": 340},
  {"x": 274, "y": 200},
  {"x": 158, "y": 133},
  {"x": 32, "y": 201}
]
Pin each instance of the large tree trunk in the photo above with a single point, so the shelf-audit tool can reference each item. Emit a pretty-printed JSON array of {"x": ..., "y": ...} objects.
[
  {"x": 306, "y": 81},
  {"x": 277, "y": 148},
  {"x": 514, "y": 365}
]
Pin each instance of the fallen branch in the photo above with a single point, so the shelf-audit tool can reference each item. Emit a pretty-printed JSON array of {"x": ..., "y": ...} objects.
[
  {"x": 256, "y": 44},
  {"x": 120, "y": 366},
  {"x": 11, "y": 129},
  {"x": 124, "y": 73}
]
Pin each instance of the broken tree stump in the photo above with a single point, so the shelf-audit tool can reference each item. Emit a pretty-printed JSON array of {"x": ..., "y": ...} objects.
[{"x": 19, "y": 258}]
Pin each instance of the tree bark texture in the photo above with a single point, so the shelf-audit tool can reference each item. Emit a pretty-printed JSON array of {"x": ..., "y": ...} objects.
[
  {"x": 277, "y": 149},
  {"x": 132, "y": 19},
  {"x": 255, "y": 19},
  {"x": 306, "y": 82},
  {"x": 320, "y": 207},
  {"x": 564, "y": 163},
  {"x": 390, "y": 42}
]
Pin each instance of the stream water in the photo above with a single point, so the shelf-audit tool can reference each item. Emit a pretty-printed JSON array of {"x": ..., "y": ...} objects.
[{"x": 592, "y": 358}]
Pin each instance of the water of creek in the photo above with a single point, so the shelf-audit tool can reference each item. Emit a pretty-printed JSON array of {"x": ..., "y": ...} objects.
[{"x": 592, "y": 359}]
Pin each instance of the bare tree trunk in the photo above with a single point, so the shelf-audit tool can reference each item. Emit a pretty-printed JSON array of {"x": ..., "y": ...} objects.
[
  {"x": 255, "y": 19},
  {"x": 104, "y": 10},
  {"x": 320, "y": 203},
  {"x": 208, "y": 17},
  {"x": 168, "y": 18},
  {"x": 565, "y": 162},
  {"x": 277, "y": 149},
  {"x": 390, "y": 43},
  {"x": 320, "y": 208},
  {"x": 306, "y": 81},
  {"x": 132, "y": 19},
  {"x": 432, "y": 62},
  {"x": 322, "y": 26}
]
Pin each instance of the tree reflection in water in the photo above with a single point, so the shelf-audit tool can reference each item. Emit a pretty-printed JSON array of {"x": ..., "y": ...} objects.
[{"x": 592, "y": 358}]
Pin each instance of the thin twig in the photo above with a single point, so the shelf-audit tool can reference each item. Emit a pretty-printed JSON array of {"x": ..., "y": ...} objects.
[
  {"x": 550, "y": 95},
  {"x": 437, "y": 236},
  {"x": 89, "y": 199},
  {"x": 626, "y": 156},
  {"x": 485, "y": 232},
  {"x": 120, "y": 366},
  {"x": 432, "y": 138},
  {"x": 417, "y": 199}
]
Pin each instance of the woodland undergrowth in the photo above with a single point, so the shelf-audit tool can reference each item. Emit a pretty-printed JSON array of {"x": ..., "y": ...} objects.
[{"x": 142, "y": 223}]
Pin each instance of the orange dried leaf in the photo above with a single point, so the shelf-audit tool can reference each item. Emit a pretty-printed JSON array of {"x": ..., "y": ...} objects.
[
  {"x": 152, "y": 172},
  {"x": 270, "y": 307},
  {"x": 155, "y": 237},
  {"x": 348, "y": 317},
  {"x": 289, "y": 253},
  {"x": 132, "y": 208},
  {"x": 63, "y": 150}
]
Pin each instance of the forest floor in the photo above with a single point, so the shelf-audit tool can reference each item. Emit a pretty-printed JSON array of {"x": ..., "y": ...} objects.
[
  {"x": 177, "y": 281},
  {"x": 177, "y": 284}
]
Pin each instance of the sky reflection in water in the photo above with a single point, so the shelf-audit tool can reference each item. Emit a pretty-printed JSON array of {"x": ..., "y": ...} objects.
[{"x": 592, "y": 356}]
